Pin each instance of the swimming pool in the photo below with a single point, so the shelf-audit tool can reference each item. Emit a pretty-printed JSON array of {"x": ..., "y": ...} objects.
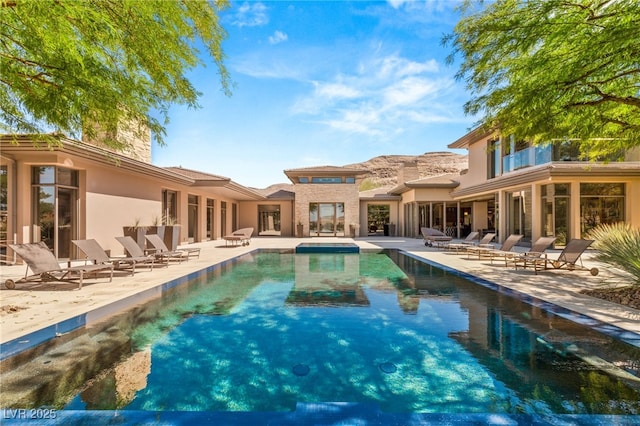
[{"x": 276, "y": 331}]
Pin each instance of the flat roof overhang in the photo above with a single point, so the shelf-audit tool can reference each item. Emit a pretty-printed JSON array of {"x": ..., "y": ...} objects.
[
  {"x": 23, "y": 144},
  {"x": 550, "y": 171},
  {"x": 472, "y": 137}
]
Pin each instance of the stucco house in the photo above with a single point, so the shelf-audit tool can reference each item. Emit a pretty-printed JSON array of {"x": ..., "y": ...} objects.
[
  {"x": 80, "y": 190},
  {"x": 513, "y": 187}
]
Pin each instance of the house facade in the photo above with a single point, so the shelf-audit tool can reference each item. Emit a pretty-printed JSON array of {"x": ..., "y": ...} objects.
[
  {"x": 79, "y": 190},
  {"x": 514, "y": 187}
]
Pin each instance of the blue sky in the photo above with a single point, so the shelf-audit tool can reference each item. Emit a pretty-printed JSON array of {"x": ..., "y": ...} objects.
[{"x": 321, "y": 83}]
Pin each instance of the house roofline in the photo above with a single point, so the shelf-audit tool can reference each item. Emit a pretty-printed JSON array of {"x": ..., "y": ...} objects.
[{"x": 549, "y": 171}]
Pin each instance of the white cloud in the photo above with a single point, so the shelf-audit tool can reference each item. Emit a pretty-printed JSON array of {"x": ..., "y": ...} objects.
[
  {"x": 278, "y": 37},
  {"x": 335, "y": 90},
  {"x": 396, "y": 3},
  {"x": 381, "y": 97},
  {"x": 394, "y": 66},
  {"x": 424, "y": 4},
  {"x": 250, "y": 15},
  {"x": 408, "y": 91}
]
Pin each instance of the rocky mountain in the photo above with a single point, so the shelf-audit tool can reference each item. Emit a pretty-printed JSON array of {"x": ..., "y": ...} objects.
[{"x": 383, "y": 170}]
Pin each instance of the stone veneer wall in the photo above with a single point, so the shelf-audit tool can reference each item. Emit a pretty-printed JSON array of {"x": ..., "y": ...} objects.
[
  {"x": 136, "y": 140},
  {"x": 346, "y": 193}
]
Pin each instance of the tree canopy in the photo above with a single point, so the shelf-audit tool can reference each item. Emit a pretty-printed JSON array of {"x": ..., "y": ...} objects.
[
  {"x": 77, "y": 67},
  {"x": 553, "y": 69}
]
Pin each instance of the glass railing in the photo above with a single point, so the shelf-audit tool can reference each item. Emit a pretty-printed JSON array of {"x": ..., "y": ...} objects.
[
  {"x": 537, "y": 155},
  {"x": 528, "y": 157}
]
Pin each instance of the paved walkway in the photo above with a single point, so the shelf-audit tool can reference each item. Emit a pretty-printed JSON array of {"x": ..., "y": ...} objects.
[{"x": 31, "y": 307}]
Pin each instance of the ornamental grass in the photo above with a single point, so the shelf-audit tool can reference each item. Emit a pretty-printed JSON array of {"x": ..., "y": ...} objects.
[{"x": 618, "y": 244}]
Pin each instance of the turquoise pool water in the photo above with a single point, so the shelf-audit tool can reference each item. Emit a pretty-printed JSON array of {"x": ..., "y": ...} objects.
[{"x": 275, "y": 330}]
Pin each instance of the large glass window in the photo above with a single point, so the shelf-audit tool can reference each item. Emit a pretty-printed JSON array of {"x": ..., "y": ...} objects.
[
  {"x": 493, "y": 158},
  {"x": 326, "y": 219},
  {"x": 268, "y": 219},
  {"x": 192, "y": 211},
  {"x": 519, "y": 218},
  {"x": 223, "y": 218},
  {"x": 234, "y": 216},
  {"x": 326, "y": 180},
  {"x": 210, "y": 216},
  {"x": 438, "y": 217},
  {"x": 555, "y": 211},
  {"x": 169, "y": 207},
  {"x": 601, "y": 203},
  {"x": 378, "y": 215},
  {"x": 55, "y": 208}
]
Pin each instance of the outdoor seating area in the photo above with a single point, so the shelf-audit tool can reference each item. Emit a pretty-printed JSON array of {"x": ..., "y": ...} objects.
[
  {"x": 488, "y": 249},
  {"x": 536, "y": 258},
  {"x": 536, "y": 250},
  {"x": 96, "y": 254},
  {"x": 44, "y": 266}
]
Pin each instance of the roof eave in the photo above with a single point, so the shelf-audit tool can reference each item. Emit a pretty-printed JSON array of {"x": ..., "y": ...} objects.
[
  {"x": 473, "y": 136},
  {"x": 96, "y": 154}
]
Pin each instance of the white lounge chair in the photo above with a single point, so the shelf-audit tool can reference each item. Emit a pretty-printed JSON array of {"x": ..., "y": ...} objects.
[{"x": 241, "y": 236}]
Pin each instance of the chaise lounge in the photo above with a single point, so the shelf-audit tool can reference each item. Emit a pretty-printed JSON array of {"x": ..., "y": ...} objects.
[
  {"x": 161, "y": 248},
  {"x": 506, "y": 247},
  {"x": 485, "y": 242},
  {"x": 95, "y": 253},
  {"x": 536, "y": 250},
  {"x": 241, "y": 236},
  {"x": 132, "y": 249},
  {"x": 461, "y": 245},
  {"x": 567, "y": 259},
  {"x": 45, "y": 267},
  {"x": 432, "y": 236}
]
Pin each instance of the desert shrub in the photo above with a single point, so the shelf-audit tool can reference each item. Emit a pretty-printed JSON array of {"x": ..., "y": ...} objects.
[
  {"x": 618, "y": 244},
  {"x": 368, "y": 184}
]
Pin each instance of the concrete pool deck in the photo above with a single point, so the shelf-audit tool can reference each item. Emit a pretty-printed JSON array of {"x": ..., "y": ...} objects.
[{"x": 32, "y": 307}]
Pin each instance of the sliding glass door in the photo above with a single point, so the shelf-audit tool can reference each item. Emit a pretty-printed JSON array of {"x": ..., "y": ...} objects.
[{"x": 326, "y": 219}]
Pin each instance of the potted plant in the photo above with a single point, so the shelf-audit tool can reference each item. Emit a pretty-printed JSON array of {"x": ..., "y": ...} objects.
[
  {"x": 299, "y": 230},
  {"x": 171, "y": 235},
  {"x": 156, "y": 228},
  {"x": 137, "y": 232}
]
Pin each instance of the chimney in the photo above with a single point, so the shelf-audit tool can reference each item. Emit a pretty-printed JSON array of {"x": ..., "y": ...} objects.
[
  {"x": 408, "y": 171},
  {"x": 134, "y": 138}
]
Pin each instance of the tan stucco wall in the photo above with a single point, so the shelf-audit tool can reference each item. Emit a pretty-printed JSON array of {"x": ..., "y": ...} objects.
[
  {"x": 477, "y": 172},
  {"x": 249, "y": 216},
  {"x": 106, "y": 215},
  {"x": 430, "y": 194}
]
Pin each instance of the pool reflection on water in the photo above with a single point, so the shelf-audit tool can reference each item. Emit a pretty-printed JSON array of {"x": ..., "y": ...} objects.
[{"x": 278, "y": 329}]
